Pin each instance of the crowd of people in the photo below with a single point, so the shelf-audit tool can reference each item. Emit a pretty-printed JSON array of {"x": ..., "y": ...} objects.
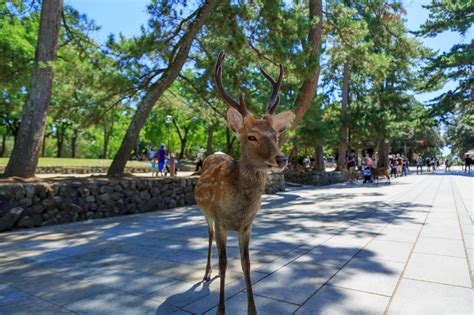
[
  {"x": 161, "y": 161},
  {"x": 398, "y": 166}
]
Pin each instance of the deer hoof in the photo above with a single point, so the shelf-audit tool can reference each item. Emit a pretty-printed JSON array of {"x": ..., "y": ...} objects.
[{"x": 207, "y": 276}]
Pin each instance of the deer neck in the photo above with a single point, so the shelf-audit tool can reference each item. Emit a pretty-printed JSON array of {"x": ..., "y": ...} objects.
[{"x": 251, "y": 179}]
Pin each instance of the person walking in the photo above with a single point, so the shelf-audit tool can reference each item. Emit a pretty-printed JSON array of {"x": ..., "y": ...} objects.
[
  {"x": 447, "y": 165},
  {"x": 200, "y": 158},
  {"x": 161, "y": 158},
  {"x": 154, "y": 166},
  {"x": 419, "y": 164},
  {"x": 152, "y": 153},
  {"x": 351, "y": 166},
  {"x": 307, "y": 162},
  {"x": 404, "y": 166},
  {"x": 367, "y": 169}
]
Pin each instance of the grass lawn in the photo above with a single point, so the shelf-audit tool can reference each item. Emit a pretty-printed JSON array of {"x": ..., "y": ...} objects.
[{"x": 76, "y": 162}]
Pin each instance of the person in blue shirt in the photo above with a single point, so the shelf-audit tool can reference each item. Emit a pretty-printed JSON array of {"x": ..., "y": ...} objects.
[{"x": 161, "y": 158}]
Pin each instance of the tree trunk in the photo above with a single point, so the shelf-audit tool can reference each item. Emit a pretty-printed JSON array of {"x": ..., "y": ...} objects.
[
  {"x": 344, "y": 131},
  {"x": 210, "y": 134},
  {"x": 4, "y": 145},
  {"x": 60, "y": 140},
  {"x": 74, "y": 143},
  {"x": 319, "y": 158},
  {"x": 43, "y": 146},
  {"x": 106, "y": 144},
  {"x": 182, "y": 148},
  {"x": 383, "y": 154},
  {"x": 24, "y": 157},
  {"x": 294, "y": 155},
  {"x": 157, "y": 89},
  {"x": 310, "y": 84}
]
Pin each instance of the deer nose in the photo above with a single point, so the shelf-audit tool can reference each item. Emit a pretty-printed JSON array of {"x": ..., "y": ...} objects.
[{"x": 281, "y": 161}]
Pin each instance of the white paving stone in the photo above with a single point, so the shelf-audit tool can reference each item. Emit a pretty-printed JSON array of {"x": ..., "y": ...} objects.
[
  {"x": 440, "y": 269},
  {"x": 369, "y": 275},
  {"x": 440, "y": 246},
  {"x": 335, "y": 301},
  {"x": 420, "y": 297},
  {"x": 387, "y": 250}
]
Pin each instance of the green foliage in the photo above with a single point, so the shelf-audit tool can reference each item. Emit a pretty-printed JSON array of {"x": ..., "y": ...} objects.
[
  {"x": 458, "y": 63},
  {"x": 97, "y": 87}
]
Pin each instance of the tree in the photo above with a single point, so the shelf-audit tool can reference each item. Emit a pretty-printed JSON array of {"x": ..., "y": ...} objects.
[
  {"x": 454, "y": 107},
  {"x": 458, "y": 63},
  {"x": 178, "y": 57},
  {"x": 310, "y": 83},
  {"x": 24, "y": 157},
  {"x": 349, "y": 41},
  {"x": 18, "y": 32}
]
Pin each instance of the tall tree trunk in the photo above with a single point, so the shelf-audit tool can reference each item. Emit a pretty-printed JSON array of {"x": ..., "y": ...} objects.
[
  {"x": 344, "y": 131},
  {"x": 182, "y": 148},
  {"x": 210, "y": 134},
  {"x": 294, "y": 155},
  {"x": 74, "y": 142},
  {"x": 310, "y": 84},
  {"x": 383, "y": 154},
  {"x": 4, "y": 145},
  {"x": 106, "y": 144},
  {"x": 43, "y": 146},
  {"x": 60, "y": 140},
  {"x": 319, "y": 157},
  {"x": 157, "y": 89},
  {"x": 24, "y": 157}
]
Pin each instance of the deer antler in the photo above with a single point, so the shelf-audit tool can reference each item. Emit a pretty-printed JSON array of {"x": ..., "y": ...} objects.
[
  {"x": 274, "y": 98},
  {"x": 241, "y": 106}
]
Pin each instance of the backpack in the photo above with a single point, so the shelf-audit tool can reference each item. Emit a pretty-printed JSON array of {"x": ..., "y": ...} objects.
[{"x": 367, "y": 172}]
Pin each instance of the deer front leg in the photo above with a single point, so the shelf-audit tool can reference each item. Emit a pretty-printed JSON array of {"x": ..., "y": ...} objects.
[
  {"x": 221, "y": 240},
  {"x": 207, "y": 275},
  {"x": 244, "y": 240}
]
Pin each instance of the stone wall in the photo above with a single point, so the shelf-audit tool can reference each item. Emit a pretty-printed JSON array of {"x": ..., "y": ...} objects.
[
  {"x": 317, "y": 178},
  {"x": 54, "y": 201},
  {"x": 275, "y": 183},
  {"x": 83, "y": 169}
]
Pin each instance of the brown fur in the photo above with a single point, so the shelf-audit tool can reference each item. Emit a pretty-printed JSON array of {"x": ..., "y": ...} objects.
[
  {"x": 229, "y": 192},
  {"x": 380, "y": 171}
]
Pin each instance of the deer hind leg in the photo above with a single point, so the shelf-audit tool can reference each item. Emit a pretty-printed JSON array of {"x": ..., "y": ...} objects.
[
  {"x": 210, "y": 224},
  {"x": 221, "y": 240},
  {"x": 244, "y": 240}
]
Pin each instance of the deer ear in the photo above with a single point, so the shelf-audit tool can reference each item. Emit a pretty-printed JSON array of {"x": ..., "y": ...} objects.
[
  {"x": 281, "y": 121},
  {"x": 235, "y": 121}
]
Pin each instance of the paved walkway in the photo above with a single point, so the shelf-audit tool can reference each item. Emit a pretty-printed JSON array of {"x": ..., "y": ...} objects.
[{"x": 400, "y": 249}]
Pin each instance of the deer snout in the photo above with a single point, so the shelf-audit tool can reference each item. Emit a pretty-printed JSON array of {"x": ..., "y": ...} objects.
[{"x": 281, "y": 161}]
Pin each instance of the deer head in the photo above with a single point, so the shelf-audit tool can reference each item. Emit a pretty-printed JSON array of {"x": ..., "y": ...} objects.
[{"x": 259, "y": 138}]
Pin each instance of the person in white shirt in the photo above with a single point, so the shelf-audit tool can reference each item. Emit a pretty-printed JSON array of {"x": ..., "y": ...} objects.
[{"x": 200, "y": 157}]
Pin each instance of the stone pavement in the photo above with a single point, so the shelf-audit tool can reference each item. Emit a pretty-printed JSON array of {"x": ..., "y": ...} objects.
[{"x": 342, "y": 249}]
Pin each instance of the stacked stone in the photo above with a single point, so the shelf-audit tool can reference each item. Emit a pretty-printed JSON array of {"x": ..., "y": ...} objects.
[
  {"x": 275, "y": 183},
  {"x": 316, "y": 178},
  {"x": 83, "y": 169},
  {"x": 44, "y": 203}
]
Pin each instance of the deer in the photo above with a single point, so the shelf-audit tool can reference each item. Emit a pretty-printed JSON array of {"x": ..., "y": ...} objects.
[{"x": 229, "y": 191}]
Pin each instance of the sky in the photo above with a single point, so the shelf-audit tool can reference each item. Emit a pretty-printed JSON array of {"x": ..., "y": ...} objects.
[{"x": 127, "y": 16}]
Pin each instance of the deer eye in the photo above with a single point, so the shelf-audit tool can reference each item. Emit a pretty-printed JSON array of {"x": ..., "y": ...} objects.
[{"x": 252, "y": 138}]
